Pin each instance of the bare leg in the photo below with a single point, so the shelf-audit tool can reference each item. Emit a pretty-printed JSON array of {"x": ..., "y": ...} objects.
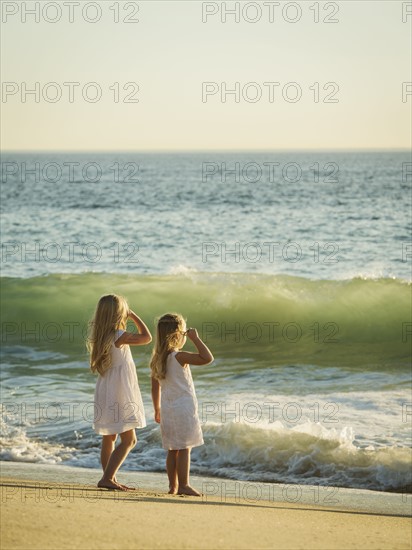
[
  {"x": 171, "y": 467},
  {"x": 183, "y": 469},
  {"x": 108, "y": 445},
  {"x": 128, "y": 441}
]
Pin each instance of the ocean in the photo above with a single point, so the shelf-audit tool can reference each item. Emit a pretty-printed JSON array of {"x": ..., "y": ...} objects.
[{"x": 295, "y": 268}]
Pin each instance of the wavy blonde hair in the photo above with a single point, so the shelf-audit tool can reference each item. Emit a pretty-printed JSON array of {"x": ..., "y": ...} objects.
[
  {"x": 110, "y": 315},
  {"x": 168, "y": 337}
]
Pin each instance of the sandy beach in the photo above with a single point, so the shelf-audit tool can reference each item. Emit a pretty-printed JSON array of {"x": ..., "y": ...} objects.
[{"x": 43, "y": 514}]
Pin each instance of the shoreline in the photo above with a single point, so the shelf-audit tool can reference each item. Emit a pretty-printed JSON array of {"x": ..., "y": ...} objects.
[
  {"x": 222, "y": 489},
  {"x": 42, "y": 511}
]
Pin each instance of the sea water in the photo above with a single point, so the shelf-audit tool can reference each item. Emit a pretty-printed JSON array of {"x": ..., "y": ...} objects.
[{"x": 294, "y": 267}]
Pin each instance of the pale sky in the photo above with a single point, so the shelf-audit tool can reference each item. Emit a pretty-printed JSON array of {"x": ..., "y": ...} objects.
[{"x": 170, "y": 53}]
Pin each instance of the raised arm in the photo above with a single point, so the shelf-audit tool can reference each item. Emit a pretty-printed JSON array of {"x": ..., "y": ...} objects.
[
  {"x": 156, "y": 398},
  {"x": 131, "y": 339},
  {"x": 202, "y": 357}
]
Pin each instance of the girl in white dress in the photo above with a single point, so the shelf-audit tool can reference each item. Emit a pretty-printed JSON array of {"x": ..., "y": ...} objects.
[
  {"x": 174, "y": 397},
  {"x": 118, "y": 406}
]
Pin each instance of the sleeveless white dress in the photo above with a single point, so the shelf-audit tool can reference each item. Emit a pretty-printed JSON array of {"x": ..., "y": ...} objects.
[
  {"x": 179, "y": 420},
  {"x": 118, "y": 404}
]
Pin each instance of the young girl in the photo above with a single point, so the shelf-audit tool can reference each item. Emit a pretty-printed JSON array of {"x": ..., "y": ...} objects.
[
  {"x": 174, "y": 397},
  {"x": 117, "y": 398}
]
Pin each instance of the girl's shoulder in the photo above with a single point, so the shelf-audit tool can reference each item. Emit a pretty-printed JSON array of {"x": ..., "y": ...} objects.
[
  {"x": 117, "y": 334},
  {"x": 172, "y": 356}
]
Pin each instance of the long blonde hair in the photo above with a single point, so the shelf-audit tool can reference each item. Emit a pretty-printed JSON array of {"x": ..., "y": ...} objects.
[
  {"x": 168, "y": 337},
  {"x": 110, "y": 315}
]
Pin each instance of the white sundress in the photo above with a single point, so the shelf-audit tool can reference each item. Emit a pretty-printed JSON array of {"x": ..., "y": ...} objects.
[
  {"x": 179, "y": 420},
  {"x": 118, "y": 405}
]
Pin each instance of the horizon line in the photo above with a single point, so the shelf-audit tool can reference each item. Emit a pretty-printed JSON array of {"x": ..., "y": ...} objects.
[{"x": 278, "y": 150}]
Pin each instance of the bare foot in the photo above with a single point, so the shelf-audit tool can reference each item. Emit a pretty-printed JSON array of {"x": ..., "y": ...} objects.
[
  {"x": 112, "y": 485},
  {"x": 125, "y": 487},
  {"x": 173, "y": 491},
  {"x": 188, "y": 490}
]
